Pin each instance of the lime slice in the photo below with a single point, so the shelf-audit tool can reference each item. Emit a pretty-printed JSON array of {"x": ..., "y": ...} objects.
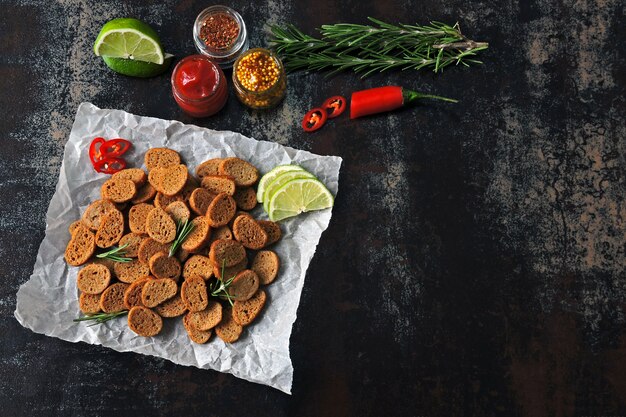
[
  {"x": 299, "y": 196},
  {"x": 129, "y": 38},
  {"x": 271, "y": 176},
  {"x": 279, "y": 181},
  {"x": 140, "y": 69}
]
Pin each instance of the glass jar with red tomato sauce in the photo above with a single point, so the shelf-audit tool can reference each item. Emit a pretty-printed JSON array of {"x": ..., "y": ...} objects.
[{"x": 199, "y": 86}]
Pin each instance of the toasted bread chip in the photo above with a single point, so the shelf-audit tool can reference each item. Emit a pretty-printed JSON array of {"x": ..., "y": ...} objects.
[
  {"x": 178, "y": 211},
  {"x": 208, "y": 167},
  {"x": 89, "y": 303},
  {"x": 245, "y": 197},
  {"x": 194, "y": 293},
  {"x": 144, "y": 321},
  {"x": 174, "y": 180},
  {"x": 136, "y": 175},
  {"x": 95, "y": 212},
  {"x": 219, "y": 184},
  {"x": 164, "y": 266},
  {"x": 145, "y": 193},
  {"x": 200, "y": 199},
  {"x": 174, "y": 307},
  {"x": 161, "y": 157},
  {"x": 228, "y": 330},
  {"x": 73, "y": 226},
  {"x": 149, "y": 247},
  {"x": 243, "y": 173},
  {"x": 160, "y": 226},
  {"x": 112, "y": 299},
  {"x": 156, "y": 291},
  {"x": 226, "y": 273},
  {"x": 272, "y": 229},
  {"x": 129, "y": 272},
  {"x": 132, "y": 242},
  {"x": 221, "y": 210},
  {"x": 222, "y": 232},
  {"x": 196, "y": 336},
  {"x": 93, "y": 279},
  {"x": 199, "y": 235},
  {"x": 207, "y": 318},
  {"x": 111, "y": 229},
  {"x": 244, "y": 312},
  {"x": 226, "y": 253},
  {"x": 249, "y": 232},
  {"x": 244, "y": 286},
  {"x": 191, "y": 185},
  {"x": 81, "y": 246},
  {"x": 162, "y": 201},
  {"x": 198, "y": 265},
  {"x": 266, "y": 264},
  {"x": 132, "y": 295},
  {"x": 155, "y": 178},
  {"x": 137, "y": 217},
  {"x": 118, "y": 190}
]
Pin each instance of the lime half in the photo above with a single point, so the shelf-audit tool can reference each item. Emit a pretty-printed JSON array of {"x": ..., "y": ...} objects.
[
  {"x": 279, "y": 181},
  {"x": 129, "y": 38},
  {"x": 140, "y": 69},
  {"x": 271, "y": 176},
  {"x": 299, "y": 196}
]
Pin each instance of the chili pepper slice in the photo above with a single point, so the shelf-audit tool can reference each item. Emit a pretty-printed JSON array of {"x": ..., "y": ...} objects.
[
  {"x": 314, "y": 119},
  {"x": 95, "y": 150},
  {"x": 110, "y": 165},
  {"x": 334, "y": 106},
  {"x": 115, "y": 147}
]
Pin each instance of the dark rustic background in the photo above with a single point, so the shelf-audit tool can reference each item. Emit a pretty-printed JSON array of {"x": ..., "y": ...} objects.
[{"x": 475, "y": 262}]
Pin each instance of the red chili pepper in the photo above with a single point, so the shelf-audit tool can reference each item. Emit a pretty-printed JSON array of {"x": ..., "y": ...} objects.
[
  {"x": 314, "y": 119},
  {"x": 334, "y": 106},
  {"x": 105, "y": 154},
  {"x": 110, "y": 165},
  {"x": 115, "y": 147},
  {"x": 95, "y": 150},
  {"x": 383, "y": 99}
]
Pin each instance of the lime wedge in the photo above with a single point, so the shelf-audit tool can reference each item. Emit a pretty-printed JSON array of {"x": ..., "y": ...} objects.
[
  {"x": 279, "y": 181},
  {"x": 129, "y": 38},
  {"x": 271, "y": 176},
  {"x": 140, "y": 69},
  {"x": 299, "y": 196}
]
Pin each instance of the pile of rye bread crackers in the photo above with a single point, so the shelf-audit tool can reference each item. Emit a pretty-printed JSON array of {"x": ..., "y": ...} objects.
[{"x": 144, "y": 212}]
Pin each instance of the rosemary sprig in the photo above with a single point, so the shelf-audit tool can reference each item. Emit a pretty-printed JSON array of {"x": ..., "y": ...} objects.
[
  {"x": 100, "y": 318},
  {"x": 182, "y": 231},
  {"x": 366, "y": 49},
  {"x": 115, "y": 254},
  {"x": 220, "y": 287}
]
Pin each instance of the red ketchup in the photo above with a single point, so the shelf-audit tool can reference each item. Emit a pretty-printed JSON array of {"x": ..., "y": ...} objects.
[{"x": 199, "y": 86}]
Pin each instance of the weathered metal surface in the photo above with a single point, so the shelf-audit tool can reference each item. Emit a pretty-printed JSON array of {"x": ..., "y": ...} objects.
[{"x": 475, "y": 263}]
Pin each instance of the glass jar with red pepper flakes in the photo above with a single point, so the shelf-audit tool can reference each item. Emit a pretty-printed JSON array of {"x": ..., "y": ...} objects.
[
  {"x": 259, "y": 79},
  {"x": 219, "y": 32}
]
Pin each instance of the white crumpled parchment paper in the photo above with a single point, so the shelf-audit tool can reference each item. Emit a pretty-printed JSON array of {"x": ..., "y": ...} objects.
[{"x": 48, "y": 302}]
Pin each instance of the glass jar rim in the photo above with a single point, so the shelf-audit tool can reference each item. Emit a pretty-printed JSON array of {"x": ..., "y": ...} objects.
[
  {"x": 219, "y": 76},
  {"x": 225, "y": 52},
  {"x": 275, "y": 58}
]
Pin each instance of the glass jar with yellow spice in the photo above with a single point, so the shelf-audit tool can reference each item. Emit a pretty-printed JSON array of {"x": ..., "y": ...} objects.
[{"x": 259, "y": 79}]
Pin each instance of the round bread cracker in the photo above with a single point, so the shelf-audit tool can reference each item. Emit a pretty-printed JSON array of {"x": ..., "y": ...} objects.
[
  {"x": 144, "y": 321},
  {"x": 93, "y": 279},
  {"x": 118, "y": 190},
  {"x": 193, "y": 291},
  {"x": 266, "y": 264},
  {"x": 164, "y": 266},
  {"x": 156, "y": 291},
  {"x": 112, "y": 299},
  {"x": 129, "y": 272},
  {"x": 160, "y": 226}
]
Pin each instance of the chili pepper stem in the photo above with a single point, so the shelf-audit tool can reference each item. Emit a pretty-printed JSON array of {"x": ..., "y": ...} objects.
[{"x": 410, "y": 97}]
